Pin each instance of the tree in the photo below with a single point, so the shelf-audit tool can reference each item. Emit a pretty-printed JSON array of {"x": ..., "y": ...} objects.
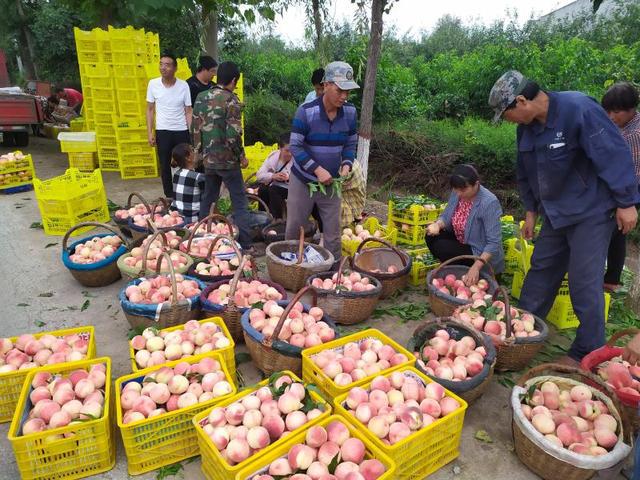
[{"x": 378, "y": 9}]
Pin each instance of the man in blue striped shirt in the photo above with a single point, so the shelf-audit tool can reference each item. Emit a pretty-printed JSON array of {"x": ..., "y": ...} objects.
[{"x": 323, "y": 143}]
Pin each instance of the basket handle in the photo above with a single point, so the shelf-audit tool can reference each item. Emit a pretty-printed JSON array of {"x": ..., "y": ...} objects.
[
  {"x": 622, "y": 333},
  {"x": 172, "y": 274},
  {"x": 236, "y": 277},
  {"x": 507, "y": 308},
  {"x": 215, "y": 241},
  {"x": 467, "y": 257},
  {"x": 158, "y": 201},
  {"x": 141, "y": 198},
  {"x": 256, "y": 198},
  {"x": 208, "y": 220},
  {"x": 550, "y": 367},
  {"x": 253, "y": 175},
  {"x": 90, "y": 224},
  {"x": 384, "y": 242},
  {"x": 269, "y": 341},
  {"x": 145, "y": 251},
  {"x": 340, "y": 267},
  {"x": 300, "y": 246}
]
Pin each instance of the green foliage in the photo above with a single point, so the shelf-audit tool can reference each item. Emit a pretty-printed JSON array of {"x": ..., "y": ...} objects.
[{"x": 267, "y": 115}]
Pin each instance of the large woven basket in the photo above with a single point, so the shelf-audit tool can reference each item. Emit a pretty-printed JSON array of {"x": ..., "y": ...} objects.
[
  {"x": 138, "y": 231},
  {"x": 293, "y": 275},
  {"x": 258, "y": 219},
  {"x": 231, "y": 313},
  {"x": 219, "y": 278},
  {"x": 131, "y": 273},
  {"x": 124, "y": 223},
  {"x": 381, "y": 258},
  {"x": 98, "y": 274},
  {"x": 194, "y": 235},
  {"x": 590, "y": 363},
  {"x": 539, "y": 460},
  {"x": 442, "y": 304},
  {"x": 346, "y": 307},
  {"x": 270, "y": 354},
  {"x": 168, "y": 314},
  {"x": 472, "y": 389},
  {"x": 514, "y": 353}
]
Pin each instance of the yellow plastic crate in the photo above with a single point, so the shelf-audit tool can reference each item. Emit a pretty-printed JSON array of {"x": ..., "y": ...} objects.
[
  {"x": 419, "y": 269},
  {"x": 82, "y": 142},
  {"x": 131, "y": 134},
  {"x": 414, "y": 215},
  {"x": 16, "y": 179},
  {"x": 89, "y": 447},
  {"x": 426, "y": 450},
  {"x": 131, "y": 58},
  {"x": 168, "y": 438},
  {"x": 103, "y": 94},
  {"x": 11, "y": 382},
  {"x": 109, "y": 141},
  {"x": 109, "y": 159},
  {"x": 77, "y": 124},
  {"x": 107, "y": 118},
  {"x": 257, "y": 153},
  {"x": 140, "y": 148},
  {"x": 213, "y": 465},
  {"x": 409, "y": 234},
  {"x": 130, "y": 95},
  {"x": 105, "y": 107},
  {"x": 139, "y": 83},
  {"x": 516, "y": 283},
  {"x": 127, "y": 34},
  {"x": 85, "y": 41},
  {"x": 104, "y": 130},
  {"x": 136, "y": 108},
  {"x": 138, "y": 159},
  {"x": 26, "y": 163},
  {"x": 130, "y": 72},
  {"x": 562, "y": 314},
  {"x": 271, "y": 454},
  {"x": 88, "y": 57},
  {"x": 85, "y": 162},
  {"x": 371, "y": 224},
  {"x": 227, "y": 353},
  {"x": 311, "y": 373},
  {"x": 512, "y": 256}
]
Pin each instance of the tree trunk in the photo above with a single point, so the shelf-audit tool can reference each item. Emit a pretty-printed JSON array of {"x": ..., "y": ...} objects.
[
  {"x": 26, "y": 45},
  {"x": 106, "y": 17},
  {"x": 317, "y": 22},
  {"x": 211, "y": 34},
  {"x": 369, "y": 91}
]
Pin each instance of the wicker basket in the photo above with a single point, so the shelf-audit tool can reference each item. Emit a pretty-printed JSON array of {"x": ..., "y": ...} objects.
[
  {"x": 220, "y": 278},
  {"x": 346, "y": 307},
  {"x": 270, "y": 354},
  {"x": 381, "y": 258},
  {"x": 168, "y": 314},
  {"x": 589, "y": 363},
  {"x": 290, "y": 275},
  {"x": 231, "y": 313},
  {"x": 131, "y": 273},
  {"x": 138, "y": 232},
  {"x": 279, "y": 226},
  {"x": 442, "y": 304},
  {"x": 98, "y": 274},
  {"x": 258, "y": 219},
  {"x": 514, "y": 353},
  {"x": 124, "y": 223},
  {"x": 472, "y": 389},
  {"x": 537, "y": 459},
  {"x": 208, "y": 220}
]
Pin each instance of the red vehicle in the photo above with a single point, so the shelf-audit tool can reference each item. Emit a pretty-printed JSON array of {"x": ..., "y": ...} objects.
[{"x": 18, "y": 112}]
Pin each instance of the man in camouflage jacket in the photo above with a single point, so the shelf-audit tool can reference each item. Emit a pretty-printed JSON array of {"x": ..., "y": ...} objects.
[{"x": 217, "y": 136}]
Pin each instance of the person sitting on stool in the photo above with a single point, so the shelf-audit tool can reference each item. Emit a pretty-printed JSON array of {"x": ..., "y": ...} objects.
[
  {"x": 470, "y": 225},
  {"x": 273, "y": 177}
]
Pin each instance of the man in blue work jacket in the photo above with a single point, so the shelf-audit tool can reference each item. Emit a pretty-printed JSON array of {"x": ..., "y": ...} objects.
[{"x": 575, "y": 169}]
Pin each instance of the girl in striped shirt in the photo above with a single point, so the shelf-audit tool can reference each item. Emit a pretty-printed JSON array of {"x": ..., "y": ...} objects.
[{"x": 188, "y": 184}]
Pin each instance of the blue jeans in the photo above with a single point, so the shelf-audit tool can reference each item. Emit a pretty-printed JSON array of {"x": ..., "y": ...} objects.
[
  {"x": 240, "y": 206},
  {"x": 581, "y": 250}
]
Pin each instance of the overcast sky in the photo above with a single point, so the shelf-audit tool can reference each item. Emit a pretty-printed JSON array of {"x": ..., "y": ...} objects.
[{"x": 414, "y": 16}]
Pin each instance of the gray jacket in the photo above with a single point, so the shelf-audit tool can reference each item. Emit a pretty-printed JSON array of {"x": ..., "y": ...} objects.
[{"x": 483, "y": 232}]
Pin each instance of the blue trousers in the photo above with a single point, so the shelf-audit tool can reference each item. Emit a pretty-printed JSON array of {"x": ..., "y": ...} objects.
[
  {"x": 239, "y": 203},
  {"x": 581, "y": 250}
]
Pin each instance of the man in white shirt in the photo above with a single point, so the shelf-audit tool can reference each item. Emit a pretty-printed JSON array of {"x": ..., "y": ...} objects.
[{"x": 169, "y": 102}]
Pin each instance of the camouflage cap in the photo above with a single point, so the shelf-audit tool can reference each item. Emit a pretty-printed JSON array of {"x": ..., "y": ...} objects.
[
  {"x": 505, "y": 91},
  {"x": 341, "y": 74}
]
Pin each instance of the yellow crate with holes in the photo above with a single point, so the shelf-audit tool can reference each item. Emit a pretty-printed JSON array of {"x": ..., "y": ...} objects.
[
  {"x": 105, "y": 130},
  {"x": 516, "y": 283},
  {"x": 562, "y": 315},
  {"x": 425, "y": 451},
  {"x": 105, "y": 107},
  {"x": 167, "y": 438},
  {"x": 128, "y": 83},
  {"x": 130, "y": 72},
  {"x": 11, "y": 382},
  {"x": 130, "y": 172},
  {"x": 143, "y": 164},
  {"x": 77, "y": 142},
  {"x": 371, "y": 225},
  {"x": 17, "y": 173},
  {"x": 109, "y": 159},
  {"x": 415, "y": 214},
  {"x": 86, "y": 41},
  {"x": 258, "y": 152},
  {"x": 421, "y": 265},
  {"x": 83, "y": 161},
  {"x": 213, "y": 465},
  {"x": 261, "y": 465},
  {"x": 409, "y": 234},
  {"x": 75, "y": 451},
  {"x": 227, "y": 353},
  {"x": 311, "y": 373},
  {"x": 77, "y": 124},
  {"x": 103, "y": 95},
  {"x": 133, "y": 108},
  {"x": 131, "y": 134},
  {"x": 104, "y": 118}
]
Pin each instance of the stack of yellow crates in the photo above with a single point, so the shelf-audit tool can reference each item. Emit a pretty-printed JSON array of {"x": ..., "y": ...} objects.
[{"x": 114, "y": 84}]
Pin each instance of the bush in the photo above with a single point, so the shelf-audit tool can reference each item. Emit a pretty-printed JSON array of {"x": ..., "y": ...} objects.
[{"x": 266, "y": 116}]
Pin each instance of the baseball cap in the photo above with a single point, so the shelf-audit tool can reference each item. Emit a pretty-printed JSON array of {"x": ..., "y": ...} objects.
[
  {"x": 505, "y": 91},
  {"x": 341, "y": 74}
]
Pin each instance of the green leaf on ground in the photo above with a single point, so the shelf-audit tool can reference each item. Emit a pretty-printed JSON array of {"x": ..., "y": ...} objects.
[
  {"x": 22, "y": 305},
  {"x": 483, "y": 436},
  {"x": 169, "y": 471},
  {"x": 49, "y": 245},
  {"x": 39, "y": 323},
  {"x": 85, "y": 305},
  {"x": 405, "y": 312},
  {"x": 36, "y": 225},
  {"x": 46, "y": 294}
]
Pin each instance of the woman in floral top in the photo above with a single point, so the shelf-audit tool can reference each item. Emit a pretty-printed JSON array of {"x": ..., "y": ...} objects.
[{"x": 470, "y": 225}]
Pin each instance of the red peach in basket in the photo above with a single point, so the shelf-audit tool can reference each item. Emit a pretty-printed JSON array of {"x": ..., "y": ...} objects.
[
  {"x": 522, "y": 323},
  {"x": 95, "y": 249},
  {"x": 168, "y": 220},
  {"x": 451, "y": 359},
  {"x": 158, "y": 290},
  {"x": 247, "y": 293},
  {"x": 217, "y": 267},
  {"x": 350, "y": 281},
  {"x": 450, "y": 285}
]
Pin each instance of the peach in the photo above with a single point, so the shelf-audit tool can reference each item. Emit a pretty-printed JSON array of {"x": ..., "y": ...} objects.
[
  {"x": 580, "y": 393},
  {"x": 378, "y": 426},
  {"x": 568, "y": 434},
  {"x": 234, "y": 413},
  {"x": 91, "y": 410},
  {"x": 73, "y": 408},
  {"x": 59, "y": 419},
  {"x": 398, "y": 431},
  {"x": 316, "y": 436},
  {"x": 252, "y": 418},
  {"x": 430, "y": 407},
  {"x": 144, "y": 405},
  {"x": 378, "y": 399},
  {"x": 295, "y": 420},
  {"x": 543, "y": 423},
  {"x": 352, "y": 450},
  {"x": 288, "y": 403},
  {"x": 605, "y": 437},
  {"x": 258, "y": 437},
  {"x": 372, "y": 469},
  {"x": 345, "y": 470},
  {"x": 33, "y": 425},
  {"x": 160, "y": 393},
  {"x": 605, "y": 421},
  {"x": 64, "y": 395},
  {"x": 220, "y": 437},
  {"x": 579, "y": 448},
  {"x": 363, "y": 413},
  {"x": 238, "y": 450},
  {"x": 280, "y": 467},
  {"x": 327, "y": 452},
  {"x": 317, "y": 470},
  {"x": 275, "y": 426},
  {"x": 301, "y": 456},
  {"x": 127, "y": 398},
  {"x": 40, "y": 393},
  {"x": 554, "y": 440},
  {"x": 435, "y": 391},
  {"x": 550, "y": 387},
  {"x": 448, "y": 405},
  {"x": 337, "y": 432},
  {"x": 41, "y": 379},
  {"x": 356, "y": 397}
]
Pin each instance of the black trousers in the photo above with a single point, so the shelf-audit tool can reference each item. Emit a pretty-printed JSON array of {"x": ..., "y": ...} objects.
[
  {"x": 276, "y": 197},
  {"x": 446, "y": 246},
  {"x": 166, "y": 140},
  {"x": 616, "y": 257}
]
